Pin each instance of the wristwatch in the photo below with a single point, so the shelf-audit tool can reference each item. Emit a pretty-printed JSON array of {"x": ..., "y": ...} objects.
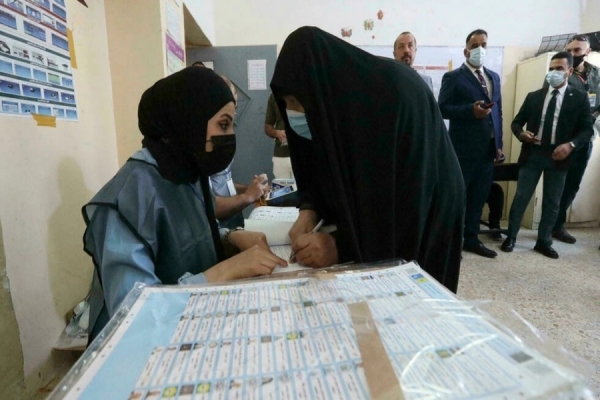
[
  {"x": 226, "y": 236},
  {"x": 572, "y": 145}
]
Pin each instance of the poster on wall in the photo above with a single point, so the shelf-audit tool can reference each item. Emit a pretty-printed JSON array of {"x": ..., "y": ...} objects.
[
  {"x": 36, "y": 76},
  {"x": 257, "y": 74},
  {"x": 175, "y": 56},
  {"x": 175, "y": 53}
]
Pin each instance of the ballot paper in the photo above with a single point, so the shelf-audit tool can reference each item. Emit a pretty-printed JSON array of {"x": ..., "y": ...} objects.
[
  {"x": 277, "y": 232},
  {"x": 272, "y": 213},
  {"x": 305, "y": 338},
  {"x": 285, "y": 252},
  {"x": 275, "y": 223}
]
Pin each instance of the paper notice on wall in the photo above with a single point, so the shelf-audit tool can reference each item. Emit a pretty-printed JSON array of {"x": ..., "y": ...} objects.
[
  {"x": 174, "y": 20},
  {"x": 36, "y": 75},
  {"x": 175, "y": 56},
  {"x": 257, "y": 74}
]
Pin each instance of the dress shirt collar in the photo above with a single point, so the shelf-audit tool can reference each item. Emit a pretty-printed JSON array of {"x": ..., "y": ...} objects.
[
  {"x": 561, "y": 91},
  {"x": 473, "y": 69}
]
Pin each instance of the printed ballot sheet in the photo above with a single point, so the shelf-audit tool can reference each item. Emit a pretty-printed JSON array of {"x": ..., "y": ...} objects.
[{"x": 298, "y": 339}]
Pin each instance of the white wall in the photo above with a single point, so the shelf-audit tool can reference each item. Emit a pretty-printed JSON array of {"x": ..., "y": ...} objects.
[
  {"x": 590, "y": 15},
  {"x": 203, "y": 12},
  {"x": 137, "y": 59},
  {"x": 47, "y": 175},
  {"x": 434, "y": 22}
]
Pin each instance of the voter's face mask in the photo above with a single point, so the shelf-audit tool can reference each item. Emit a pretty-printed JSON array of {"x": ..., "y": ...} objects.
[{"x": 299, "y": 123}]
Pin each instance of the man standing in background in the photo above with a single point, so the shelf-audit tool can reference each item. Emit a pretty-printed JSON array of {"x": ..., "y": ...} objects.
[
  {"x": 470, "y": 98},
  {"x": 232, "y": 198},
  {"x": 558, "y": 122},
  {"x": 585, "y": 77},
  {"x": 275, "y": 128},
  {"x": 405, "y": 50}
]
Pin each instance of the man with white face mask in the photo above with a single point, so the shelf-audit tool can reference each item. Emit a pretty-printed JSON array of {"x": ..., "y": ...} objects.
[
  {"x": 585, "y": 77},
  {"x": 470, "y": 98},
  {"x": 558, "y": 121}
]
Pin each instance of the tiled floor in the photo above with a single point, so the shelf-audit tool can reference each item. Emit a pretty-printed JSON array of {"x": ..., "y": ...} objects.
[{"x": 561, "y": 298}]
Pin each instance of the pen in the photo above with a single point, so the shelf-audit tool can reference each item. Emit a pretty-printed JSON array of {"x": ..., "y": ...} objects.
[{"x": 315, "y": 229}]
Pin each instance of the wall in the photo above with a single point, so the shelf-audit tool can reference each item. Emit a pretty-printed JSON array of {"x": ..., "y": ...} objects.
[
  {"x": 517, "y": 25},
  {"x": 48, "y": 174},
  {"x": 203, "y": 12},
  {"x": 434, "y": 22},
  {"x": 590, "y": 15},
  {"x": 11, "y": 362},
  {"x": 137, "y": 60}
]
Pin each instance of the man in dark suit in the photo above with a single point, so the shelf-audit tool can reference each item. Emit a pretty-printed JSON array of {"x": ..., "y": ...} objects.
[
  {"x": 585, "y": 77},
  {"x": 558, "y": 121},
  {"x": 470, "y": 98}
]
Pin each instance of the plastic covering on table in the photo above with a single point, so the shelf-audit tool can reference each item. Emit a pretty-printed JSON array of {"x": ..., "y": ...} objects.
[{"x": 383, "y": 331}]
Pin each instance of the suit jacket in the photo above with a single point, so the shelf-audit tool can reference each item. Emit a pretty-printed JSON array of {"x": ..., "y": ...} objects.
[
  {"x": 469, "y": 135},
  {"x": 575, "y": 121},
  {"x": 428, "y": 80}
]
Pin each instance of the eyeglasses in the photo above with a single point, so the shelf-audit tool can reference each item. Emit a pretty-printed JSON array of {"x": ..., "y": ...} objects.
[{"x": 580, "y": 38}]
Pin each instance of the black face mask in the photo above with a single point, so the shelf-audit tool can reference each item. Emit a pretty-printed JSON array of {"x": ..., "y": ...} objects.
[
  {"x": 209, "y": 163},
  {"x": 577, "y": 61}
]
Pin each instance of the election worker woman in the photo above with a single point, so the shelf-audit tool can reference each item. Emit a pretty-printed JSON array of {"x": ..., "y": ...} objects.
[
  {"x": 371, "y": 155},
  {"x": 154, "y": 221}
]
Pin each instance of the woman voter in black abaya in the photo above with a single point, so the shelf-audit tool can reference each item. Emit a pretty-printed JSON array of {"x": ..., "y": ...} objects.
[{"x": 370, "y": 155}]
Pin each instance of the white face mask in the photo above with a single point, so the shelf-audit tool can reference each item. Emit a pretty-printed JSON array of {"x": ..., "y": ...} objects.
[
  {"x": 555, "y": 78},
  {"x": 477, "y": 56},
  {"x": 299, "y": 123}
]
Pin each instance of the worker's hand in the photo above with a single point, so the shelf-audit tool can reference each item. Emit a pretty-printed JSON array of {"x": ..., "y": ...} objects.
[
  {"x": 528, "y": 137},
  {"x": 307, "y": 220},
  {"x": 499, "y": 155},
  {"x": 280, "y": 134},
  {"x": 245, "y": 240},
  {"x": 480, "y": 112},
  {"x": 316, "y": 250},
  {"x": 252, "y": 262},
  {"x": 562, "y": 152},
  {"x": 257, "y": 188}
]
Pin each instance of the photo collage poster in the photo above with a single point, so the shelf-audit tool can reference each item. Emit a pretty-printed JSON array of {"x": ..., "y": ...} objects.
[{"x": 36, "y": 76}]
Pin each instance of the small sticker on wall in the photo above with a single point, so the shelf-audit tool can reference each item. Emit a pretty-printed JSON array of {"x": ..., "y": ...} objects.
[
  {"x": 346, "y": 32},
  {"x": 380, "y": 15},
  {"x": 45, "y": 120},
  {"x": 72, "y": 48},
  {"x": 369, "y": 24}
]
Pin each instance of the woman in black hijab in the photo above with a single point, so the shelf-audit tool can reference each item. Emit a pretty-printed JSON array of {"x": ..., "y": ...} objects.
[
  {"x": 154, "y": 221},
  {"x": 371, "y": 155}
]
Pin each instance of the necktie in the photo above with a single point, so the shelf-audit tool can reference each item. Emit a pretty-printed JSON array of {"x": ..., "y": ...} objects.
[
  {"x": 482, "y": 81},
  {"x": 549, "y": 120}
]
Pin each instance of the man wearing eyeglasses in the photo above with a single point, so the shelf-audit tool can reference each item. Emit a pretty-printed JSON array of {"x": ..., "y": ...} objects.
[{"x": 585, "y": 77}]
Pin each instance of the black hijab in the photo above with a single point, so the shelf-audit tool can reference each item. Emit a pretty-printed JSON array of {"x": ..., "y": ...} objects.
[
  {"x": 173, "y": 116},
  {"x": 380, "y": 164}
]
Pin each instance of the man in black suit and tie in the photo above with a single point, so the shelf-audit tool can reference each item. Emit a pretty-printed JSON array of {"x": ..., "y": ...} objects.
[
  {"x": 558, "y": 121},
  {"x": 470, "y": 98}
]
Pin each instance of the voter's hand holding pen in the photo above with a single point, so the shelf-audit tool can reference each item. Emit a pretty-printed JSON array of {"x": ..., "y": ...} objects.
[
  {"x": 315, "y": 229},
  {"x": 315, "y": 249}
]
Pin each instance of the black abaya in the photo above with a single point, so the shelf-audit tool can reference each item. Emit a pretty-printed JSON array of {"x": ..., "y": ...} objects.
[{"x": 380, "y": 165}]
